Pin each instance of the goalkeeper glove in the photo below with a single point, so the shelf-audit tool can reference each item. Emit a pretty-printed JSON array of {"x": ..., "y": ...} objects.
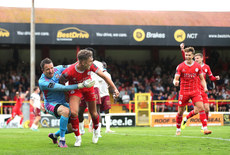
[{"x": 87, "y": 83}]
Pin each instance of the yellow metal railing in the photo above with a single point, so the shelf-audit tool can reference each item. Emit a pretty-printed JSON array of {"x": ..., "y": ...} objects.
[
  {"x": 155, "y": 102},
  {"x": 132, "y": 104},
  {"x": 11, "y": 102}
]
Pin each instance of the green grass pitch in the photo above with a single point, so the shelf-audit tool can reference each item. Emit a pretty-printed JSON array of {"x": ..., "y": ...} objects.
[{"x": 125, "y": 141}]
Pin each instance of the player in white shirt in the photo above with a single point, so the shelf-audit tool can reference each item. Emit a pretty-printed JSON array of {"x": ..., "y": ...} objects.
[
  {"x": 35, "y": 101},
  {"x": 105, "y": 98}
]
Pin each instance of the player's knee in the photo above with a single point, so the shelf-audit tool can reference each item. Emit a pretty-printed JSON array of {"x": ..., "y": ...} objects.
[
  {"x": 74, "y": 113},
  {"x": 65, "y": 112},
  {"x": 94, "y": 115},
  {"x": 206, "y": 109}
]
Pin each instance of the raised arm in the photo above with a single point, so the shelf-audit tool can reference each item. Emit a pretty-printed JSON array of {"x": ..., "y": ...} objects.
[{"x": 182, "y": 50}]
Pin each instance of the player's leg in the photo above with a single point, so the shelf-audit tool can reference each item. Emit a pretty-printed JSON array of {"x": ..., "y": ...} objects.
[
  {"x": 14, "y": 113},
  {"x": 81, "y": 119},
  {"x": 95, "y": 120},
  {"x": 106, "y": 106},
  {"x": 202, "y": 114},
  {"x": 74, "y": 102},
  {"x": 64, "y": 113},
  {"x": 37, "y": 113},
  {"x": 21, "y": 120},
  {"x": 179, "y": 117},
  {"x": 190, "y": 115}
]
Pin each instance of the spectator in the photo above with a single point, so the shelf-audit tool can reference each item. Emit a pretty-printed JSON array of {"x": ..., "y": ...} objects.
[{"x": 125, "y": 98}]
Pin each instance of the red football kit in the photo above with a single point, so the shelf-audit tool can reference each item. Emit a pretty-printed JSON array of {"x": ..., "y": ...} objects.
[
  {"x": 206, "y": 71},
  {"x": 74, "y": 76},
  {"x": 189, "y": 85},
  {"x": 17, "y": 107}
]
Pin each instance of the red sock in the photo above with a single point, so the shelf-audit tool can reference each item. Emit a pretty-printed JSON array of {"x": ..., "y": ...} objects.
[
  {"x": 203, "y": 118},
  {"x": 75, "y": 125},
  {"x": 95, "y": 122},
  {"x": 178, "y": 120},
  {"x": 21, "y": 121},
  {"x": 191, "y": 114},
  {"x": 8, "y": 121},
  {"x": 207, "y": 115}
]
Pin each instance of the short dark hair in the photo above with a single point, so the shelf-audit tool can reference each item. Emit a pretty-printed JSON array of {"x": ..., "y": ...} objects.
[
  {"x": 84, "y": 54},
  {"x": 45, "y": 61},
  {"x": 189, "y": 49},
  {"x": 35, "y": 88}
]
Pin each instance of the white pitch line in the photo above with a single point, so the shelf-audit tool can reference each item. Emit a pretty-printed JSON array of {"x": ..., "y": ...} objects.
[{"x": 125, "y": 134}]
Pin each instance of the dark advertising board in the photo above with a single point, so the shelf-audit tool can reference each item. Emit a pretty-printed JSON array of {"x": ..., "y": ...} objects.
[
  {"x": 117, "y": 120},
  {"x": 73, "y": 34},
  {"x": 120, "y": 121}
]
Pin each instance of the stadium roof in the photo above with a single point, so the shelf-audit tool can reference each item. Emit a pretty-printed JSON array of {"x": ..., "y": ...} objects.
[{"x": 116, "y": 17}]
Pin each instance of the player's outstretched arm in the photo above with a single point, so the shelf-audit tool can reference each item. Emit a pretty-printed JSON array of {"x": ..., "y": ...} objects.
[
  {"x": 59, "y": 87},
  {"x": 109, "y": 82}
]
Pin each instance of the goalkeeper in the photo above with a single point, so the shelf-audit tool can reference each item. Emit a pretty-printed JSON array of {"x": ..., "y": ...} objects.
[{"x": 54, "y": 97}]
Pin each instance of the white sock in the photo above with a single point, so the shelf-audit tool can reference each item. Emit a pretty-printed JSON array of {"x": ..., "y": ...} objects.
[
  {"x": 81, "y": 125},
  {"x": 62, "y": 138},
  {"x": 54, "y": 135},
  {"x": 205, "y": 128},
  {"x": 185, "y": 119},
  {"x": 107, "y": 122},
  {"x": 91, "y": 124},
  {"x": 32, "y": 127},
  {"x": 178, "y": 129}
]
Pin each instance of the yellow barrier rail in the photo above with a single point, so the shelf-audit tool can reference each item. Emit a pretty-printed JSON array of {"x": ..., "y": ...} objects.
[
  {"x": 155, "y": 102},
  {"x": 132, "y": 104}
]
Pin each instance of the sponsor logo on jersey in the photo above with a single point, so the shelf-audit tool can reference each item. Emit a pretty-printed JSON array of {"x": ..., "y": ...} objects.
[{"x": 196, "y": 70}]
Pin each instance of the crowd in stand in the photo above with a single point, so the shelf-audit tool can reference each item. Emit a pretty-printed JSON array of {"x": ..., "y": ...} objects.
[{"x": 129, "y": 77}]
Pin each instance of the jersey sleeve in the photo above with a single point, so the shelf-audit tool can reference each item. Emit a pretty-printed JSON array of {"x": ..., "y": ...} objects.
[
  {"x": 178, "y": 70},
  {"x": 51, "y": 86},
  {"x": 183, "y": 54},
  {"x": 94, "y": 68},
  {"x": 32, "y": 97},
  {"x": 211, "y": 77},
  {"x": 199, "y": 70}
]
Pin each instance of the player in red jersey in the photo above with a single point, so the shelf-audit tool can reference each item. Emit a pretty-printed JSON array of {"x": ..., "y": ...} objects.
[
  {"x": 77, "y": 72},
  {"x": 206, "y": 71},
  {"x": 188, "y": 72},
  {"x": 17, "y": 108}
]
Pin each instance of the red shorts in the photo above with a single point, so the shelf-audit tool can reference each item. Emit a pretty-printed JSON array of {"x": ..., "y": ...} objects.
[
  {"x": 97, "y": 98},
  {"x": 205, "y": 97},
  {"x": 97, "y": 95},
  {"x": 105, "y": 103},
  {"x": 87, "y": 93},
  {"x": 16, "y": 112},
  {"x": 37, "y": 112},
  {"x": 184, "y": 98}
]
